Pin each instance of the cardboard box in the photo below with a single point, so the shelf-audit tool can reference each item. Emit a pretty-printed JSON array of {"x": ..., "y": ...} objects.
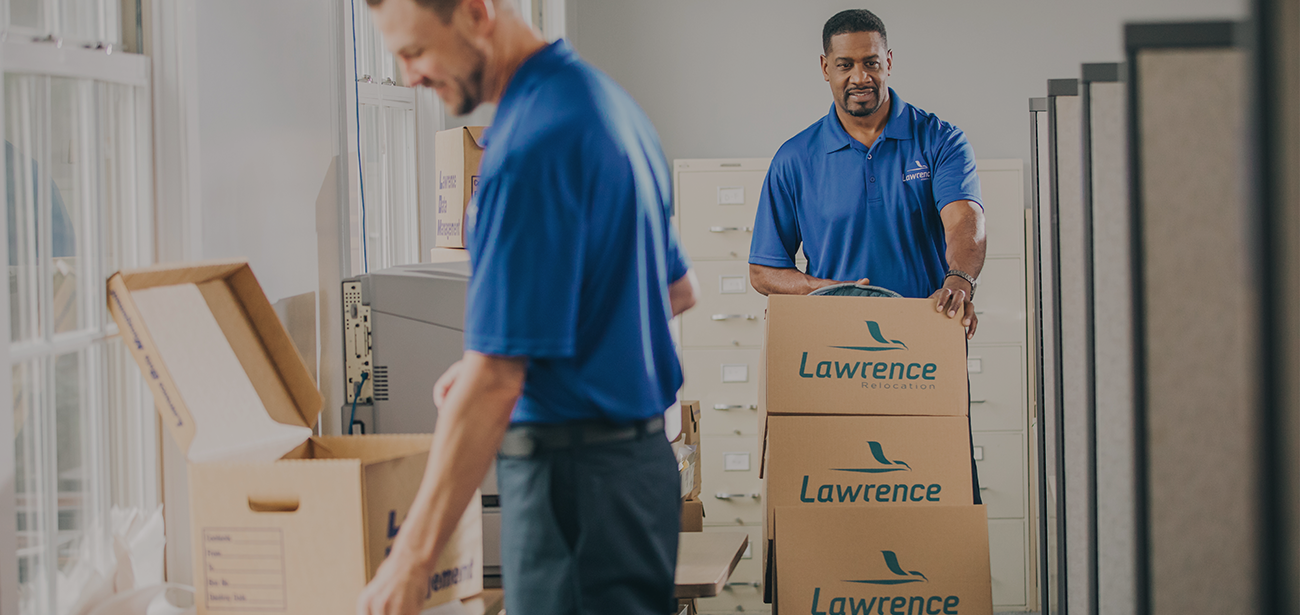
[
  {"x": 820, "y": 461},
  {"x": 692, "y": 515},
  {"x": 280, "y": 521},
  {"x": 862, "y": 356},
  {"x": 892, "y": 560},
  {"x": 457, "y": 153}
]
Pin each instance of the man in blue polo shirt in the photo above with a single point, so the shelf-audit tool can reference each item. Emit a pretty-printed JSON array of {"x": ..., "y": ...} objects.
[
  {"x": 568, "y": 362},
  {"x": 876, "y": 190}
]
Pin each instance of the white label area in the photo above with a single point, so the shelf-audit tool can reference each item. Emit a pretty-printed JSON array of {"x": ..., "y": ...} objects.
[
  {"x": 243, "y": 569},
  {"x": 975, "y": 365},
  {"x": 735, "y": 462},
  {"x": 731, "y": 195},
  {"x": 978, "y": 453},
  {"x": 735, "y": 373},
  {"x": 732, "y": 284},
  {"x": 749, "y": 551}
]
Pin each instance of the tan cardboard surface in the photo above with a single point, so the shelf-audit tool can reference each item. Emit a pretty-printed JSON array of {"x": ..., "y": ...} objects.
[
  {"x": 233, "y": 298},
  {"x": 862, "y": 356},
  {"x": 851, "y": 560},
  {"x": 873, "y": 461},
  {"x": 457, "y": 155}
]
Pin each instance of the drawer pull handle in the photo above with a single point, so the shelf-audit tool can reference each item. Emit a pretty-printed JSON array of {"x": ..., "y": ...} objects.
[
  {"x": 728, "y": 496},
  {"x": 734, "y": 406},
  {"x": 977, "y": 401},
  {"x": 734, "y": 317},
  {"x": 724, "y": 229},
  {"x": 744, "y": 584}
]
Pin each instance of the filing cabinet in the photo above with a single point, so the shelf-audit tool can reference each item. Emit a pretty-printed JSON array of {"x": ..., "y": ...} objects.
[
  {"x": 1007, "y": 548},
  {"x": 1000, "y": 300},
  {"x": 717, "y": 202},
  {"x": 999, "y": 457}
]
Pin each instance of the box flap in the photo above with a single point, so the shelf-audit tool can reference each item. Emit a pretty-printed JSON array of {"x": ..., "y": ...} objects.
[
  {"x": 216, "y": 356},
  {"x": 476, "y": 134}
]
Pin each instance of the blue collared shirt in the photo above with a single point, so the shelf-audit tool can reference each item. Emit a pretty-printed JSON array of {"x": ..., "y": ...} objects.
[
  {"x": 864, "y": 212},
  {"x": 571, "y": 247}
]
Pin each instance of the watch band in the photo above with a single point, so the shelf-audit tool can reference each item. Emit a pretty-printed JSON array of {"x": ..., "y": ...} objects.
[{"x": 965, "y": 276}]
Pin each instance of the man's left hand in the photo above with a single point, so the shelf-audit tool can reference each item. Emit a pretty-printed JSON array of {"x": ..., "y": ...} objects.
[
  {"x": 399, "y": 587},
  {"x": 954, "y": 299}
]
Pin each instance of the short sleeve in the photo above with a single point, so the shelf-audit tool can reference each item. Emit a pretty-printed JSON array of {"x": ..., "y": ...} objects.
[
  {"x": 954, "y": 170},
  {"x": 523, "y": 297},
  {"x": 776, "y": 227}
]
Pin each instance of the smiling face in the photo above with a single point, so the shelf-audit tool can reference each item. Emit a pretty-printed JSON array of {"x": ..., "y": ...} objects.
[
  {"x": 448, "y": 56},
  {"x": 856, "y": 66}
]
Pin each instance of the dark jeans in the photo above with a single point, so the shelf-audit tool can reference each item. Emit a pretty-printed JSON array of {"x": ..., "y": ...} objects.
[{"x": 591, "y": 529}]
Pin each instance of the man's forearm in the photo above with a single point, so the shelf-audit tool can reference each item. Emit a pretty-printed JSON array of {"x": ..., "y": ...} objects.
[
  {"x": 964, "y": 234},
  {"x": 781, "y": 281},
  {"x": 464, "y": 445}
]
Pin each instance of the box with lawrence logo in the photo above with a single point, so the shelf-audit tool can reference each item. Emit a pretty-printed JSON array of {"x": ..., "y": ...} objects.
[
  {"x": 914, "y": 461},
  {"x": 457, "y": 153},
  {"x": 282, "y": 521},
  {"x": 862, "y": 356},
  {"x": 850, "y": 560}
]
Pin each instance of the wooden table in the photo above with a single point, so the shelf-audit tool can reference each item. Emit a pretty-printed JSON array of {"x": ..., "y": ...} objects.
[{"x": 705, "y": 561}]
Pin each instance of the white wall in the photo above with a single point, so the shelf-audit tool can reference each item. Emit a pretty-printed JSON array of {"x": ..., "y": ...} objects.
[{"x": 736, "y": 78}]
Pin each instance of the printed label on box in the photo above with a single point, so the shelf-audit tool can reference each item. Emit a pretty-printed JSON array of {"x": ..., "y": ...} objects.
[{"x": 243, "y": 569}]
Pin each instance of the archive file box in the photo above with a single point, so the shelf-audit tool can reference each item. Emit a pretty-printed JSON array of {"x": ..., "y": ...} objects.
[{"x": 281, "y": 521}]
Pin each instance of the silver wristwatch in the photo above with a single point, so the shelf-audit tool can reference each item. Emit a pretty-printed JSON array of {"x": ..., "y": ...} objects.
[{"x": 965, "y": 276}]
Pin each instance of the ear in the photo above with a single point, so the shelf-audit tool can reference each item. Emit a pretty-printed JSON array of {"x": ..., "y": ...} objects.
[
  {"x": 889, "y": 62},
  {"x": 826, "y": 69},
  {"x": 480, "y": 14}
]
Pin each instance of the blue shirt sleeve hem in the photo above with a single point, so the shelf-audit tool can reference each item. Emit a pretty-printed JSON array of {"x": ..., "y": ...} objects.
[
  {"x": 519, "y": 347},
  {"x": 961, "y": 197},
  {"x": 779, "y": 262}
]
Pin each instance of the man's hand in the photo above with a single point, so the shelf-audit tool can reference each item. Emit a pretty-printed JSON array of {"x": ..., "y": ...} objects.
[
  {"x": 954, "y": 298},
  {"x": 399, "y": 587},
  {"x": 444, "y": 383}
]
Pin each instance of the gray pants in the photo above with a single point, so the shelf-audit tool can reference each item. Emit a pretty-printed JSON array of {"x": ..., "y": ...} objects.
[{"x": 591, "y": 529}]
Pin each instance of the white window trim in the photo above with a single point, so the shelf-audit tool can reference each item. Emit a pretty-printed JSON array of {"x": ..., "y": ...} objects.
[{"x": 52, "y": 60}]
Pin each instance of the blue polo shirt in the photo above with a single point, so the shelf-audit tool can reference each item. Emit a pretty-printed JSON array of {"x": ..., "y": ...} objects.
[
  {"x": 571, "y": 248},
  {"x": 866, "y": 212}
]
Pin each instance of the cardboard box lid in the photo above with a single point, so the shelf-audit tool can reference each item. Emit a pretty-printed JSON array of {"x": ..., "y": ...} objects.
[
  {"x": 247, "y": 321},
  {"x": 473, "y": 134}
]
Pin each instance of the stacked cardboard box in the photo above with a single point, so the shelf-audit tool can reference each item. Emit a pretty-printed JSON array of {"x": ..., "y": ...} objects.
[
  {"x": 282, "y": 521},
  {"x": 687, "y": 448},
  {"x": 457, "y": 153},
  {"x": 866, "y": 460}
]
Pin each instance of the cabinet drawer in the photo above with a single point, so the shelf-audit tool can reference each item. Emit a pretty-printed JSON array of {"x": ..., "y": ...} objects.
[
  {"x": 1007, "y": 561},
  {"x": 729, "y": 312},
  {"x": 726, "y": 383},
  {"x": 997, "y": 388},
  {"x": 716, "y": 212},
  {"x": 731, "y": 489},
  {"x": 1000, "y": 302},
  {"x": 1000, "y": 458}
]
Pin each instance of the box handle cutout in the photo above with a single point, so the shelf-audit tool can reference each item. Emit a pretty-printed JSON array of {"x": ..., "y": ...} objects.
[{"x": 279, "y": 505}]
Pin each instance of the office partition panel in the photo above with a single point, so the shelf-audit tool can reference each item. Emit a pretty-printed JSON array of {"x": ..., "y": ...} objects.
[
  {"x": 1045, "y": 357},
  {"x": 1104, "y": 97},
  {"x": 1070, "y": 298},
  {"x": 1198, "y": 394}
]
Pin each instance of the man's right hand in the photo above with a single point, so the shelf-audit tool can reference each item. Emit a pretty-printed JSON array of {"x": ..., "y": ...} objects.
[{"x": 789, "y": 281}]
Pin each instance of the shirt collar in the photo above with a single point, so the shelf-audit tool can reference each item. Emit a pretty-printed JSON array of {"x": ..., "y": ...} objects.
[
  {"x": 529, "y": 75},
  {"x": 899, "y": 125}
]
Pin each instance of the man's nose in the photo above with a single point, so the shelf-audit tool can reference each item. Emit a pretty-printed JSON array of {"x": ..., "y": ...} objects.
[{"x": 859, "y": 76}]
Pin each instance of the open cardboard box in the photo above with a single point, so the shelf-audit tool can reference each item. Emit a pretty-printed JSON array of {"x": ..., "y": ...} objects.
[{"x": 282, "y": 521}]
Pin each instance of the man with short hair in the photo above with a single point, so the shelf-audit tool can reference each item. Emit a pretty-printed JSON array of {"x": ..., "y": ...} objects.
[
  {"x": 877, "y": 190},
  {"x": 568, "y": 362}
]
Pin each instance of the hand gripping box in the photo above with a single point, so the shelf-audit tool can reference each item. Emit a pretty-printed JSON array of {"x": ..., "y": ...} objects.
[
  {"x": 457, "y": 153},
  {"x": 282, "y": 521},
  {"x": 885, "y": 560}
]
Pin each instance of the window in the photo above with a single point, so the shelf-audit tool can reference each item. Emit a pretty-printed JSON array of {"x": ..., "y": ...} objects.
[{"x": 76, "y": 132}]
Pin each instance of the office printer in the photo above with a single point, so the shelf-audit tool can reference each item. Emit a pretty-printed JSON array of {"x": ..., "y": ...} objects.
[{"x": 403, "y": 327}]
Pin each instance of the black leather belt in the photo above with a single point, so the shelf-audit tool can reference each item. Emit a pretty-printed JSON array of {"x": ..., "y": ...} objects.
[{"x": 529, "y": 439}]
